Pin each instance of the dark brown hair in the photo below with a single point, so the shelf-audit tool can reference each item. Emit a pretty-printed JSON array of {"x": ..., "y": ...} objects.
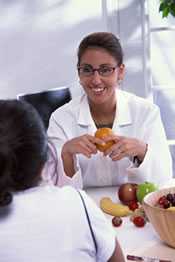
[
  {"x": 105, "y": 40},
  {"x": 23, "y": 148}
]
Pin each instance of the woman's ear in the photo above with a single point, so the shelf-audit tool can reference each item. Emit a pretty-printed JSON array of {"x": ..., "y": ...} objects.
[{"x": 121, "y": 72}]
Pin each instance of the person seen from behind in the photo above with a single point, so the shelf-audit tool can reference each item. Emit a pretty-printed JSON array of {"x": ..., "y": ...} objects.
[{"x": 41, "y": 222}]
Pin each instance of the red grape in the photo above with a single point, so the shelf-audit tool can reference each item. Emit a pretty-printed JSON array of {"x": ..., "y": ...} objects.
[
  {"x": 116, "y": 221},
  {"x": 133, "y": 205},
  {"x": 139, "y": 221}
]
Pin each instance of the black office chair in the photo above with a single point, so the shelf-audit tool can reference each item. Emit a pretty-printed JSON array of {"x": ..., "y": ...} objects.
[{"x": 47, "y": 101}]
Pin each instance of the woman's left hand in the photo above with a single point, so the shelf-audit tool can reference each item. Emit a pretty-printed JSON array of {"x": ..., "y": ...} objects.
[{"x": 125, "y": 147}]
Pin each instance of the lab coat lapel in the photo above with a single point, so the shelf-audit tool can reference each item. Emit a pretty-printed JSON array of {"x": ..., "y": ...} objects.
[
  {"x": 84, "y": 118},
  {"x": 123, "y": 116}
]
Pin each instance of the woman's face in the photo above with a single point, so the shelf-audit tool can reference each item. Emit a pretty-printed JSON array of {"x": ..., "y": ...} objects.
[{"x": 100, "y": 88}]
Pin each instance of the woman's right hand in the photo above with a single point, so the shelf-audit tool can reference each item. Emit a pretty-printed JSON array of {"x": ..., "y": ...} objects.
[{"x": 85, "y": 144}]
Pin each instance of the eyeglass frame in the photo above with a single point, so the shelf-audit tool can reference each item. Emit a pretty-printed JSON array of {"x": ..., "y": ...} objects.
[{"x": 92, "y": 72}]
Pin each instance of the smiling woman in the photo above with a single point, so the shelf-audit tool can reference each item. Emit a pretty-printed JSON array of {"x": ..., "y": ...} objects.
[
  {"x": 105, "y": 72},
  {"x": 135, "y": 123}
]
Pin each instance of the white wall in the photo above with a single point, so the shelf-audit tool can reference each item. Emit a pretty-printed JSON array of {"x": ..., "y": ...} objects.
[
  {"x": 133, "y": 34},
  {"x": 39, "y": 39}
]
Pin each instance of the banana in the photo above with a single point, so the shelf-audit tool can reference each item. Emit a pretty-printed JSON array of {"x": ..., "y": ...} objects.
[
  {"x": 114, "y": 209},
  {"x": 171, "y": 208}
]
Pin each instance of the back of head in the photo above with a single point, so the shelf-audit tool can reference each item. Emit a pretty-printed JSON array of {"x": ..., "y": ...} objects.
[
  {"x": 105, "y": 40},
  {"x": 23, "y": 148}
]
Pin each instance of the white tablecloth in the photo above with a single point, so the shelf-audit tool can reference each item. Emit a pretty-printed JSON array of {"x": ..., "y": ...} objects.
[{"x": 136, "y": 241}]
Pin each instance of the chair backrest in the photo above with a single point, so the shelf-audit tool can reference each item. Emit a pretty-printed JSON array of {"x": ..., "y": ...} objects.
[{"x": 47, "y": 101}]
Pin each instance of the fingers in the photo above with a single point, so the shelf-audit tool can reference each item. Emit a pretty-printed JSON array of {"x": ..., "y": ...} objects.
[
  {"x": 112, "y": 138},
  {"x": 85, "y": 145},
  {"x": 85, "y": 149},
  {"x": 94, "y": 140},
  {"x": 122, "y": 147},
  {"x": 91, "y": 142},
  {"x": 118, "y": 156},
  {"x": 117, "y": 153},
  {"x": 126, "y": 147},
  {"x": 117, "y": 148}
]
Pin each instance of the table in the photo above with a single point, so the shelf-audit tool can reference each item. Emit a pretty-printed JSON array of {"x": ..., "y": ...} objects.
[{"x": 135, "y": 241}]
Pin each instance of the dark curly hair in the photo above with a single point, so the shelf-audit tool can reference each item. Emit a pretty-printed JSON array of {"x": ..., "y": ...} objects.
[
  {"x": 23, "y": 148},
  {"x": 105, "y": 40}
]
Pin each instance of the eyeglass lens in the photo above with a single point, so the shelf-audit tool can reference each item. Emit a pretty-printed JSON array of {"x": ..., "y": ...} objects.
[{"x": 88, "y": 70}]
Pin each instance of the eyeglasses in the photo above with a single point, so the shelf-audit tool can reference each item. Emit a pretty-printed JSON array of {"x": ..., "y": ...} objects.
[{"x": 88, "y": 70}]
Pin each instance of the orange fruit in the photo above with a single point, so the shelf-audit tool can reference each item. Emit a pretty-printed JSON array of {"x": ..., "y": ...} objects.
[{"x": 101, "y": 133}]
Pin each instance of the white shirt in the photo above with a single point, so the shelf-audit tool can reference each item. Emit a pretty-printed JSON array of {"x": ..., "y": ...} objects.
[
  {"x": 48, "y": 224},
  {"x": 135, "y": 117}
]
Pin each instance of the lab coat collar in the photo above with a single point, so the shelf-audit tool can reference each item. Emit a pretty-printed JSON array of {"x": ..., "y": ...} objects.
[
  {"x": 84, "y": 117},
  {"x": 123, "y": 114}
]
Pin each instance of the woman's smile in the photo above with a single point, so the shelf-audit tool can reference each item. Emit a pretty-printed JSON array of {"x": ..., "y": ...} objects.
[
  {"x": 99, "y": 87},
  {"x": 98, "y": 90}
]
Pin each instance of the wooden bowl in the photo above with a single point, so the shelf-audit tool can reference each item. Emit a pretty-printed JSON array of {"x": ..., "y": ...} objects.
[{"x": 163, "y": 220}]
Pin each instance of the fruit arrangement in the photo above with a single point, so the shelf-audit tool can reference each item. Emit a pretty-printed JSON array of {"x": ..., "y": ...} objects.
[
  {"x": 137, "y": 217},
  {"x": 166, "y": 202},
  {"x": 131, "y": 196},
  {"x": 130, "y": 192}
]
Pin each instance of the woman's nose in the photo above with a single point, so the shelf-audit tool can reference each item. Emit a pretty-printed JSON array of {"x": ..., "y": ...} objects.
[{"x": 96, "y": 78}]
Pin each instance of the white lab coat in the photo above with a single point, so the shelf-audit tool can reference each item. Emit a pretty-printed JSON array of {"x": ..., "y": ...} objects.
[
  {"x": 49, "y": 224},
  {"x": 135, "y": 117}
]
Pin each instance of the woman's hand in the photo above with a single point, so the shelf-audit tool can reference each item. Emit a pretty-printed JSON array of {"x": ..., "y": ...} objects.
[
  {"x": 85, "y": 144},
  {"x": 125, "y": 147}
]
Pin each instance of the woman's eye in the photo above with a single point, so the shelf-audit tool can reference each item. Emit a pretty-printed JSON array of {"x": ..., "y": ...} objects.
[
  {"x": 87, "y": 69},
  {"x": 105, "y": 69}
]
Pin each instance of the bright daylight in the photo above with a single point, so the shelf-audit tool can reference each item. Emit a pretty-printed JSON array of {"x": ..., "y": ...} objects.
[{"x": 87, "y": 131}]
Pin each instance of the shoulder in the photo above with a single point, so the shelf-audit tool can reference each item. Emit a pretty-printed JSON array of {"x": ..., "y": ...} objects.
[
  {"x": 137, "y": 103},
  {"x": 66, "y": 192},
  {"x": 69, "y": 112},
  {"x": 50, "y": 195},
  {"x": 69, "y": 108},
  {"x": 50, "y": 191}
]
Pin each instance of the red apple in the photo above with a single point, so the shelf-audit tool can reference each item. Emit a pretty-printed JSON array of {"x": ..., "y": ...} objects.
[{"x": 127, "y": 193}]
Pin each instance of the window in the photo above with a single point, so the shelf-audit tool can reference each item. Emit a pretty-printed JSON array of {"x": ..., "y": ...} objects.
[{"x": 162, "y": 68}]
